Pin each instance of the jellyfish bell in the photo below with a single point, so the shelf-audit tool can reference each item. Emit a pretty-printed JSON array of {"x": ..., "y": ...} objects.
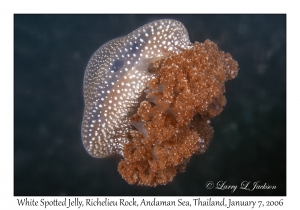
[{"x": 115, "y": 77}]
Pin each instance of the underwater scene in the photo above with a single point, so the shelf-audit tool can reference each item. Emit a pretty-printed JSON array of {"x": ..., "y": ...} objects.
[{"x": 160, "y": 105}]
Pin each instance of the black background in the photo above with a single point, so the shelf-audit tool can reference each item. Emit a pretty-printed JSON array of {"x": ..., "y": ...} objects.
[{"x": 50, "y": 56}]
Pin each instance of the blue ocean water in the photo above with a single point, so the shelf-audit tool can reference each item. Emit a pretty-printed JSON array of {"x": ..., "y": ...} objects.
[{"x": 50, "y": 56}]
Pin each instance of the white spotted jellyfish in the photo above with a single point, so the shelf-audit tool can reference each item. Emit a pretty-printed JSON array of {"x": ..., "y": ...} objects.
[{"x": 149, "y": 96}]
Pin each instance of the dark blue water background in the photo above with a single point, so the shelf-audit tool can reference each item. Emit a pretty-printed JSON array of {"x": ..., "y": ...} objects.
[{"x": 50, "y": 56}]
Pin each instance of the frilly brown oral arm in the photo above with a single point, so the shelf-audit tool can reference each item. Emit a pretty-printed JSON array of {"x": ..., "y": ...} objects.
[{"x": 178, "y": 122}]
